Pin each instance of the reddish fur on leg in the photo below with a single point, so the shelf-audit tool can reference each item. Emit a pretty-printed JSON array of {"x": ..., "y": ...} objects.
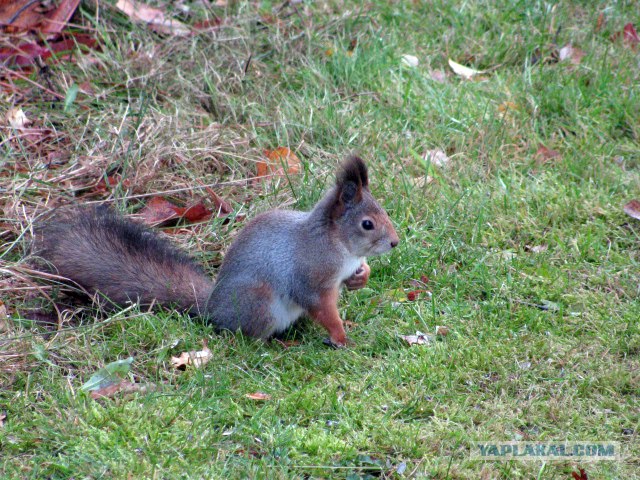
[{"x": 326, "y": 314}]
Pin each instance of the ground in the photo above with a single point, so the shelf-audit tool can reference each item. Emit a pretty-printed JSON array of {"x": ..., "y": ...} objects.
[{"x": 507, "y": 190}]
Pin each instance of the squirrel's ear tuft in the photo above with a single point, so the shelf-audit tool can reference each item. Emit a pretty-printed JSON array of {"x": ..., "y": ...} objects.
[
  {"x": 353, "y": 170},
  {"x": 351, "y": 180}
]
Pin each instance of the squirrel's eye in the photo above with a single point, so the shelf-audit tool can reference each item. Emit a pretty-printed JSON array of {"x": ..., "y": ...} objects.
[{"x": 367, "y": 224}]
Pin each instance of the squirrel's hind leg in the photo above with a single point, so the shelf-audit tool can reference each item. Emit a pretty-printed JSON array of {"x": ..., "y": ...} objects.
[{"x": 326, "y": 314}]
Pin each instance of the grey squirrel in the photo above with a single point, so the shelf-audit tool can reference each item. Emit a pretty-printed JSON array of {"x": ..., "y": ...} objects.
[{"x": 282, "y": 265}]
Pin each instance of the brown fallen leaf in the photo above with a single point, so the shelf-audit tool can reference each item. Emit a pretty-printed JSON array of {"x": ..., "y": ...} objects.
[
  {"x": 545, "y": 154},
  {"x": 442, "y": 331},
  {"x": 629, "y": 35},
  {"x": 210, "y": 24},
  {"x": 124, "y": 387},
  {"x": 197, "y": 358},
  {"x": 26, "y": 53},
  {"x": 581, "y": 475},
  {"x": 633, "y": 209},
  {"x": 42, "y": 17},
  {"x": 278, "y": 161},
  {"x": 438, "y": 76},
  {"x": 436, "y": 157},
  {"x": 16, "y": 118},
  {"x": 507, "y": 106},
  {"x": 413, "y": 295},
  {"x": 4, "y": 325},
  {"x": 600, "y": 22},
  {"x": 153, "y": 17},
  {"x": 196, "y": 213},
  {"x": 159, "y": 211},
  {"x": 571, "y": 53},
  {"x": 258, "y": 396},
  {"x": 535, "y": 248},
  {"x": 422, "y": 181},
  {"x": 3, "y": 418},
  {"x": 422, "y": 282},
  {"x": 418, "y": 339}
]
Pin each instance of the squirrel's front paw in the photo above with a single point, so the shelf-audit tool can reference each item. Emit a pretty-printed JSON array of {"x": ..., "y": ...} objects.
[
  {"x": 347, "y": 342},
  {"x": 359, "y": 279}
]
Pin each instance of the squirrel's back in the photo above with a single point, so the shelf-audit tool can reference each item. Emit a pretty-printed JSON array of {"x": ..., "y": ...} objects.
[{"x": 122, "y": 260}]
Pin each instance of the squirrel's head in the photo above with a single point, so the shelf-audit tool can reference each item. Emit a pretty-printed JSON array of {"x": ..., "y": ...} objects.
[{"x": 362, "y": 224}]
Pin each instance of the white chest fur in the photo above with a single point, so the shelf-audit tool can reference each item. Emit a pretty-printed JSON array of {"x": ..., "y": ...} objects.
[{"x": 349, "y": 267}]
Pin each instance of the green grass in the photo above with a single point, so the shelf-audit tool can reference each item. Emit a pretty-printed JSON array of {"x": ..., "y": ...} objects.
[{"x": 327, "y": 80}]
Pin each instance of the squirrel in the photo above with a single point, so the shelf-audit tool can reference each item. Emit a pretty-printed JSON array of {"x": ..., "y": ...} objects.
[{"x": 283, "y": 264}]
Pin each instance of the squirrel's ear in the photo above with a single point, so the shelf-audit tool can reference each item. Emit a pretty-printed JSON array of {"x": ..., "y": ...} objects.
[
  {"x": 353, "y": 170},
  {"x": 350, "y": 182}
]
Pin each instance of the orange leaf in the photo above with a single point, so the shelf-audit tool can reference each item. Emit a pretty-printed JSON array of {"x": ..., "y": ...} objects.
[
  {"x": 258, "y": 396},
  {"x": 278, "y": 162}
]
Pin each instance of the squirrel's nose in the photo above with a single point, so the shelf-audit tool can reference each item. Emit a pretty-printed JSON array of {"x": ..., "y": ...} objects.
[{"x": 394, "y": 244}]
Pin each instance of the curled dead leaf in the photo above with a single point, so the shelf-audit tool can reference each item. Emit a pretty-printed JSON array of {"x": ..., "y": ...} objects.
[
  {"x": 16, "y": 118},
  {"x": 571, "y": 53},
  {"x": 600, "y": 22},
  {"x": 442, "y": 331},
  {"x": 196, "y": 213},
  {"x": 4, "y": 325},
  {"x": 410, "y": 61},
  {"x": 260, "y": 396},
  {"x": 197, "y": 358},
  {"x": 438, "y": 76},
  {"x": 422, "y": 181},
  {"x": 437, "y": 157},
  {"x": 159, "y": 211},
  {"x": 630, "y": 35},
  {"x": 153, "y": 17},
  {"x": 633, "y": 209},
  {"x": 418, "y": 339},
  {"x": 505, "y": 107},
  {"x": 462, "y": 71},
  {"x": 535, "y": 248}
]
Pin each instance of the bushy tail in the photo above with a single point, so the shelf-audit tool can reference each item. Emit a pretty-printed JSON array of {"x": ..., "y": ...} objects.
[{"x": 105, "y": 253}]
